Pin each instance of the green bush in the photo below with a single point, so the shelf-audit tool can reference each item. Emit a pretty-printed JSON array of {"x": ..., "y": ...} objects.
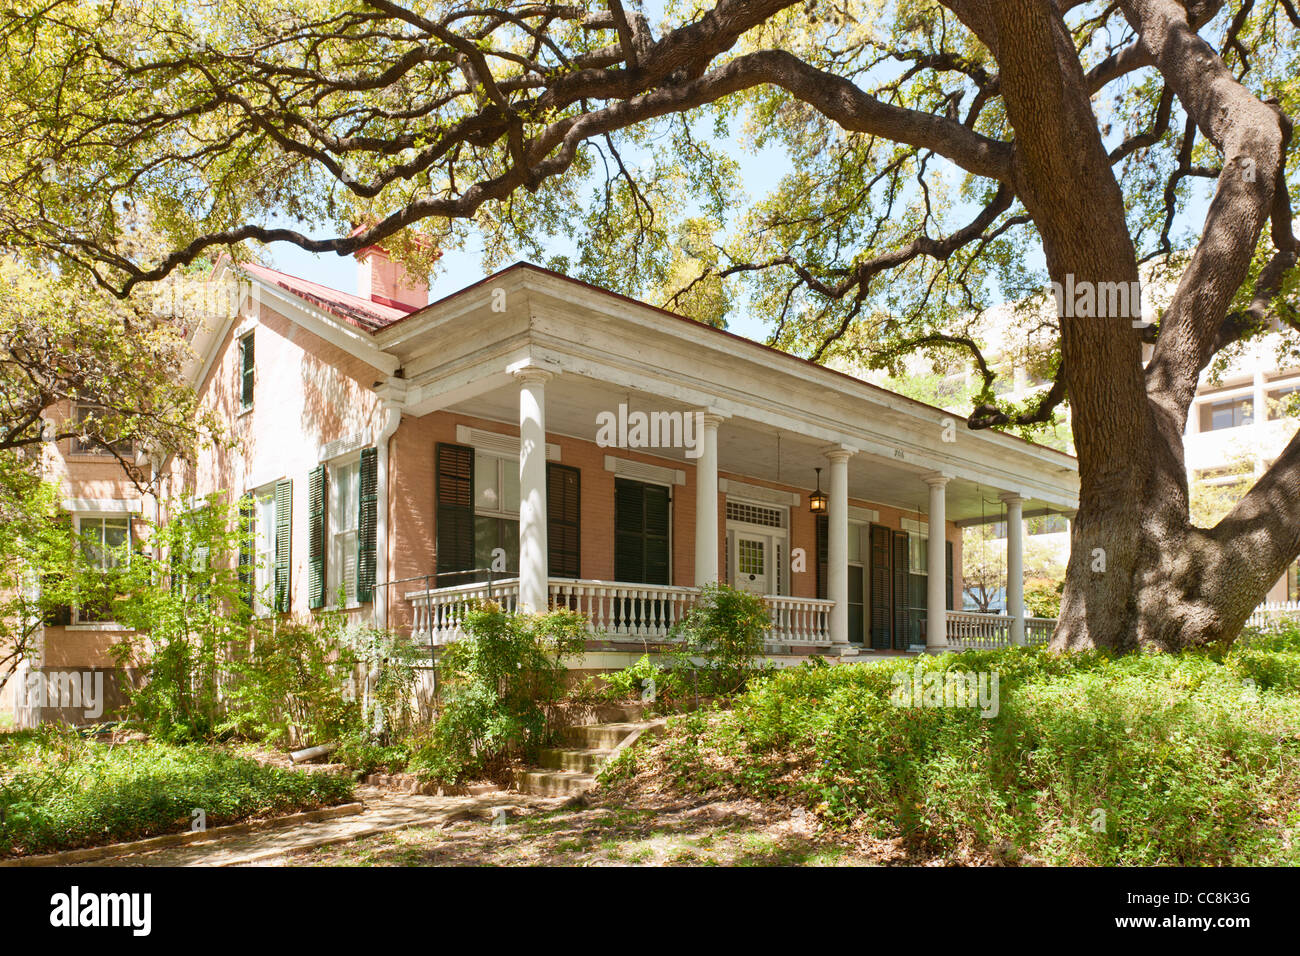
[
  {"x": 59, "y": 791},
  {"x": 1137, "y": 760},
  {"x": 724, "y": 628},
  {"x": 292, "y": 688},
  {"x": 498, "y": 687}
]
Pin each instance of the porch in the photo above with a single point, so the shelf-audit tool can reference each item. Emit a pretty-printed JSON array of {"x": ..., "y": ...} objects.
[{"x": 619, "y": 611}]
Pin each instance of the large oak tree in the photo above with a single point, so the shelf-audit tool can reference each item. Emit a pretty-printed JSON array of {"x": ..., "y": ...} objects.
[{"x": 937, "y": 147}]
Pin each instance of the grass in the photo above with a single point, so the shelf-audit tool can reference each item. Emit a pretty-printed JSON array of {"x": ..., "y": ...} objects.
[
  {"x": 1189, "y": 759},
  {"x": 60, "y": 791}
]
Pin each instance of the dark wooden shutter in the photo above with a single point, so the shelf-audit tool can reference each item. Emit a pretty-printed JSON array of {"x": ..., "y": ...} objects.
[
  {"x": 641, "y": 532},
  {"x": 563, "y": 520},
  {"x": 246, "y": 370},
  {"x": 366, "y": 524},
  {"x": 316, "y": 502},
  {"x": 823, "y": 554},
  {"x": 902, "y": 628},
  {"x": 881, "y": 588},
  {"x": 283, "y": 542},
  {"x": 247, "y": 547},
  {"x": 947, "y": 557},
  {"x": 629, "y": 529},
  {"x": 454, "y": 495}
]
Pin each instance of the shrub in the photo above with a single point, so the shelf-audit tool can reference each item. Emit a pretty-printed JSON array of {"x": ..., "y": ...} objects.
[
  {"x": 1136, "y": 760},
  {"x": 498, "y": 685},
  {"x": 292, "y": 687},
  {"x": 59, "y": 791},
  {"x": 725, "y": 628}
]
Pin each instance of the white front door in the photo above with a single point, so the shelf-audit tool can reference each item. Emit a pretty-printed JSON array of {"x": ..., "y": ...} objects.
[{"x": 751, "y": 562}]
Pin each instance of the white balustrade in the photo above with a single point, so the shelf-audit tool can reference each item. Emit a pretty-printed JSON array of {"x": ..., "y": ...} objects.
[{"x": 969, "y": 630}]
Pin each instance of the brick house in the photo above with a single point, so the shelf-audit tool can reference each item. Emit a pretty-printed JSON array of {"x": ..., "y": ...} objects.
[{"x": 546, "y": 442}]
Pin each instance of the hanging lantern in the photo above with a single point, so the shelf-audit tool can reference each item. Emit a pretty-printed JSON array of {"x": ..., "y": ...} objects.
[{"x": 817, "y": 500}]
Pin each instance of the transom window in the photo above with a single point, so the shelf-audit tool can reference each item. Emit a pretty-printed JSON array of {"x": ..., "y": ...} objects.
[{"x": 755, "y": 514}]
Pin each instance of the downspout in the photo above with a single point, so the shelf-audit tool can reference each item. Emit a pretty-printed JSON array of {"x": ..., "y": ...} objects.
[{"x": 383, "y": 441}]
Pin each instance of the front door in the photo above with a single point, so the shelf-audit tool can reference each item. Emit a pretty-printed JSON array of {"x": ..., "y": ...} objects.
[{"x": 751, "y": 562}]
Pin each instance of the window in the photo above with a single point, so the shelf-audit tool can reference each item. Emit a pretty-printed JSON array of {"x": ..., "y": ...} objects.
[
  {"x": 1229, "y": 413},
  {"x": 1281, "y": 402},
  {"x": 86, "y": 415},
  {"x": 918, "y": 554},
  {"x": 263, "y": 549},
  {"x": 496, "y": 510},
  {"x": 247, "y": 369},
  {"x": 344, "y": 494},
  {"x": 103, "y": 545}
]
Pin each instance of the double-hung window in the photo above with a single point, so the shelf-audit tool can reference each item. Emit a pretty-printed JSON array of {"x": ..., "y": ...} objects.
[
  {"x": 104, "y": 540},
  {"x": 264, "y": 550},
  {"x": 344, "y": 500},
  {"x": 496, "y": 510}
]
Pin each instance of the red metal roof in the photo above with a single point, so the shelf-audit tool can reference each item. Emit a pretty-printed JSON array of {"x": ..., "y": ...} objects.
[{"x": 364, "y": 313}]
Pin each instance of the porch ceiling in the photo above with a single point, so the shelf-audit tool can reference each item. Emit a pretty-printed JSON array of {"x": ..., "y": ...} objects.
[{"x": 747, "y": 448}]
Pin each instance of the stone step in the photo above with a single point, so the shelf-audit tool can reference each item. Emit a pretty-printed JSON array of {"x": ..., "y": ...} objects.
[
  {"x": 599, "y": 736},
  {"x": 554, "y": 783},
  {"x": 572, "y": 758}
]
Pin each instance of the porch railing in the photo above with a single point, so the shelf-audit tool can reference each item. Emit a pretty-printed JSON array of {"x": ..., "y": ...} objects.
[
  {"x": 1272, "y": 611},
  {"x": 612, "y": 608},
  {"x": 969, "y": 629}
]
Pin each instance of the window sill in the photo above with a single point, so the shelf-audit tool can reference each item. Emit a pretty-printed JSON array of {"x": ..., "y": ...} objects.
[
  {"x": 244, "y": 411},
  {"x": 105, "y": 626},
  {"x": 350, "y": 606}
]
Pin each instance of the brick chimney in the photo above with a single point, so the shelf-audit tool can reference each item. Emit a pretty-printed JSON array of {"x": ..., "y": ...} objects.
[{"x": 387, "y": 282}]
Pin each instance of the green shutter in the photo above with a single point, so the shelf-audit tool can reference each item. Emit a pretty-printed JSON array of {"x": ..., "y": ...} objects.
[
  {"x": 283, "y": 541},
  {"x": 454, "y": 497},
  {"x": 881, "y": 587},
  {"x": 247, "y": 548},
  {"x": 316, "y": 537},
  {"x": 366, "y": 523},
  {"x": 246, "y": 370},
  {"x": 947, "y": 557}
]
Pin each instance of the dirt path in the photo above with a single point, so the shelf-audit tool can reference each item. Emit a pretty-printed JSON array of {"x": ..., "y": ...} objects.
[
  {"x": 628, "y": 830},
  {"x": 385, "y": 812}
]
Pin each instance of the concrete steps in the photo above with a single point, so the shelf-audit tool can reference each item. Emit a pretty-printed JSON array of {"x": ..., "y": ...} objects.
[{"x": 571, "y": 770}]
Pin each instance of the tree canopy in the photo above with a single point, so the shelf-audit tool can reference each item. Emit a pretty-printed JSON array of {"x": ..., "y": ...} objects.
[{"x": 938, "y": 150}]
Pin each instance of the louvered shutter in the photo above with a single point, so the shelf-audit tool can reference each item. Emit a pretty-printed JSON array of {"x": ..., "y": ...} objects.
[
  {"x": 283, "y": 542},
  {"x": 454, "y": 466},
  {"x": 563, "y": 520},
  {"x": 881, "y": 579},
  {"x": 902, "y": 563},
  {"x": 823, "y": 553},
  {"x": 247, "y": 548},
  {"x": 316, "y": 490},
  {"x": 948, "y": 590},
  {"x": 246, "y": 370},
  {"x": 367, "y": 520}
]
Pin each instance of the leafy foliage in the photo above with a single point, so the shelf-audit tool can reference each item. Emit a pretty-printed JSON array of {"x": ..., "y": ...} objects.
[
  {"x": 59, "y": 791},
  {"x": 498, "y": 686},
  {"x": 1137, "y": 760}
]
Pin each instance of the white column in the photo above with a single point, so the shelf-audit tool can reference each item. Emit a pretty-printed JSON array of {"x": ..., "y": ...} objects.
[
  {"x": 1015, "y": 564},
  {"x": 706, "y": 502},
  {"x": 533, "y": 570},
  {"x": 936, "y": 601},
  {"x": 837, "y": 571}
]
